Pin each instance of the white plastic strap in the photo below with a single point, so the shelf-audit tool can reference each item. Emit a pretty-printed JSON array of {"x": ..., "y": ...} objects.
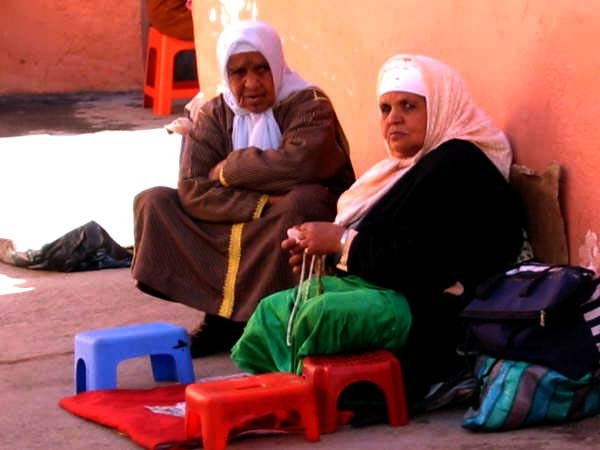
[{"x": 302, "y": 294}]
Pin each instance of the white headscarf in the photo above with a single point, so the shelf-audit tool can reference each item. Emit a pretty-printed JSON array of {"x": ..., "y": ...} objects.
[
  {"x": 451, "y": 114},
  {"x": 257, "y": 129}
]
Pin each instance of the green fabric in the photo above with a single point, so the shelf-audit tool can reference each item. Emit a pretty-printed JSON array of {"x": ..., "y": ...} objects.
[
  {"x": 349, "y": 315},
  {"x": 516, "y": 394}
]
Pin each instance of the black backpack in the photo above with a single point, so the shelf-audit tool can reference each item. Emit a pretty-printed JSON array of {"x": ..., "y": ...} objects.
[{"x": 542, "y": 314}]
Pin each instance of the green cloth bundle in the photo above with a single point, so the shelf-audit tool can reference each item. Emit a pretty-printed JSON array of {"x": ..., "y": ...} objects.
[{"x": 343, "y": 315}]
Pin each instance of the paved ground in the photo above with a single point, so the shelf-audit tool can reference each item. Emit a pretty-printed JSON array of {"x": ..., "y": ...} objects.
[{"x": 46, "y": 144}]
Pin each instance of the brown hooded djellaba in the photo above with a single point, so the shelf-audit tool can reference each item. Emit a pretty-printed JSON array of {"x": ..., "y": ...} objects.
[{"x": 214, "y": 245}]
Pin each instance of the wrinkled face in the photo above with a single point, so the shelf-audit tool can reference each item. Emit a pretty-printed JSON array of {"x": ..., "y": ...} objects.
[
  {"x": 403, "y": 122},
  {"x": 251, "y": 81}
]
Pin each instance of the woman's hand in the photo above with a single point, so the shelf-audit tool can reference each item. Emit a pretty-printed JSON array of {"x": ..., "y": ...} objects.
[
  {"x": 320, "y": 238},
  {"x": 292, "y": 245},
  {"x": 314, "y": 238},
  {"x": 214, "y": 173},
  {"x": 181, "y": 125},
  {"x": 194, "y": 105}
]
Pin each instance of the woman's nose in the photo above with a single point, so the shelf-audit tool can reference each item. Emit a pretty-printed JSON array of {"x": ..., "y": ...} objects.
[
  {"x": 396, "y": 115},
  {"x": 251, "y": 81}
]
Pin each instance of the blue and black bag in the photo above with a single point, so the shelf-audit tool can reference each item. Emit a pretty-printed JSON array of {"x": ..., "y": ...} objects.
[{"x": 541, "y": 314}]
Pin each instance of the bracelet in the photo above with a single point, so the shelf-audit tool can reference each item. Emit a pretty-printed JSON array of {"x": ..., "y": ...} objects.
[
  {"x": 222, "y": 179},
  {"x": 346, "y": 242},
  {"x": 344, "y": 239}
]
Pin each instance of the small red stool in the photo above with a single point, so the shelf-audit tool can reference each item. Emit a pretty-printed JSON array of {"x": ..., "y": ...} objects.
[
  {"x": 214, "y": 408},
  {"x": 159, "y": 87},
  {"x": 332, "y": 374}
]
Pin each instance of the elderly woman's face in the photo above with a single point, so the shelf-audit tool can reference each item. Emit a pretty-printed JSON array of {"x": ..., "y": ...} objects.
[
  {"x": 403, "y": 122},
  {"x": 251, "y": 81}
]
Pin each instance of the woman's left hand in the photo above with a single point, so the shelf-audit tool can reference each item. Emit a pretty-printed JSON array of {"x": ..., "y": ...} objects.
[{"x": 320, "y": 238}]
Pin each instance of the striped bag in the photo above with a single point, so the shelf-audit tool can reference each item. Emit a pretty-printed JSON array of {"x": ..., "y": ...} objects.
[{"x": 516, "y": 394}]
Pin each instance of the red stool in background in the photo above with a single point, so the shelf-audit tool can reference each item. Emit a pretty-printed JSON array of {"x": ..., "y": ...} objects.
[
  {"x": 215, "y": 408},
  {"x": 159, "y": 87},
  {"x": 332, "y": 374}
]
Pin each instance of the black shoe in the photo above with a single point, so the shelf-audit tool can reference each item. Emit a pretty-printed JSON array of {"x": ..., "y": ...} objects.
[
  {"x": 215, "y": 335},
  {"x": 458, "y": 389}
]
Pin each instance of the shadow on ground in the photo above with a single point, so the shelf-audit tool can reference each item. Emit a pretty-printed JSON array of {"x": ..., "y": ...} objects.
[{"x": 78, "y": 113}]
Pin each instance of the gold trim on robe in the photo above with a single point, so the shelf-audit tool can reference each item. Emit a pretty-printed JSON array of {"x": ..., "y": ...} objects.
[
  {"x": 233, "y": 265},
  {"x": 262, "y": 202}
]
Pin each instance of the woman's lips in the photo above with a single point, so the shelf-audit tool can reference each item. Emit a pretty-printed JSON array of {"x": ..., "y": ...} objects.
[
  {"x": 254, "y": 97},
  {"x": 397, "y": 134}
]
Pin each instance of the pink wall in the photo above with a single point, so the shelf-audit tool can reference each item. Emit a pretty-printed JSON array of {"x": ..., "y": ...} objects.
[
  {"x": 532, "y": 64},
  {"x": 70, "y": 45}
]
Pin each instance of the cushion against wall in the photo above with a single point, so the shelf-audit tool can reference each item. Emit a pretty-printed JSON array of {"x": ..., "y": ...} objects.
[{"x": 545, "y": 223}]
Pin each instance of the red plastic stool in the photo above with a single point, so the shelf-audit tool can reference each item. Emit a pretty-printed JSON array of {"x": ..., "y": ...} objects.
[
  {"x": 159, "y": 87},
  {"x": 332, "y": 374},
  {"x": 215, "y": 408}
]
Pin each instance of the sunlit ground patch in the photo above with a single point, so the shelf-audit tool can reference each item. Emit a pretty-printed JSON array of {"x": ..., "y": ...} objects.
[
  {"x": 52, "y": 184},
  {"x": 8, "y": 285}
]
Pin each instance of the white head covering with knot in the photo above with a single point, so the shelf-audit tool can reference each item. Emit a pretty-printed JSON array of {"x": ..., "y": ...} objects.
[
  {"x": 256, "y": 129},
  {"x": 451, "y": 114}
]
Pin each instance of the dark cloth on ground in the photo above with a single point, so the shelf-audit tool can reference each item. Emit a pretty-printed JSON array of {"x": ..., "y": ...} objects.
[
  {"x": 215, "y": 246},
  {"x": 88, "y": 247}
]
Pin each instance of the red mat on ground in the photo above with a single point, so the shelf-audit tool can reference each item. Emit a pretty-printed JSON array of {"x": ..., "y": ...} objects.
[
  {"x": 126, "y": 411},
  {"x": 134, "y": 413}
]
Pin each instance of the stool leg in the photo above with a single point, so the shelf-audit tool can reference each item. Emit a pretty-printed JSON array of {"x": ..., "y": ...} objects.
[
  {"x": 192, "y": 424},
  {"x": 150, "y": 78},
  {"x": 396, "y": 404},
  {"x": 80, "y": 378},
  {"x": 393, "y": 408},
  {"x": 215, "y": 431},
  {"x": 328, "y": 414},
  {"x": 103, "y": 375},
  {"x": 310, "y": 420},
  {"x": 400, "y": 415},
  {"x": 184, "y": 367},
  {"x": 163, "y": 367},
  {"x": 164, "y": 83}
]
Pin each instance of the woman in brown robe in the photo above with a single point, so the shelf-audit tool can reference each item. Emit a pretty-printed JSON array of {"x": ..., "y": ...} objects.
[
  {"x": 171, "y": 17},
  {"x": 266, "y": 154}
]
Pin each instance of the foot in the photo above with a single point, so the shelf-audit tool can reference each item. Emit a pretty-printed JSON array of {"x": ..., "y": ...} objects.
[
  {"x": 215, "y": 335},
  {"x": 458, "y": 389}
]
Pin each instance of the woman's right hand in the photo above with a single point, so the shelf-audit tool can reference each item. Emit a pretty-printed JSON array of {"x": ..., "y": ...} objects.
[
  {"x": 292, "y": 244},
  {"x": 315, "y": 238},
  {"x": 194, "y": 105},
  {"x": 320, "y": 238}
]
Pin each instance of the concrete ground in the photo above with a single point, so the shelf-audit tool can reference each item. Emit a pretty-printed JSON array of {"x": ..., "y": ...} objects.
[{"x": 68, "y": 159}]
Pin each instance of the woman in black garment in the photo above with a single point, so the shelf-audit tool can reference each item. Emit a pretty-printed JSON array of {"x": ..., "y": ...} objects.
[{"x": 420, "y": 228}]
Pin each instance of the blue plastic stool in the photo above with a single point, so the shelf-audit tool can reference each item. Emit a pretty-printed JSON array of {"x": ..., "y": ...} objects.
[{"x": 99, "y": 352}]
